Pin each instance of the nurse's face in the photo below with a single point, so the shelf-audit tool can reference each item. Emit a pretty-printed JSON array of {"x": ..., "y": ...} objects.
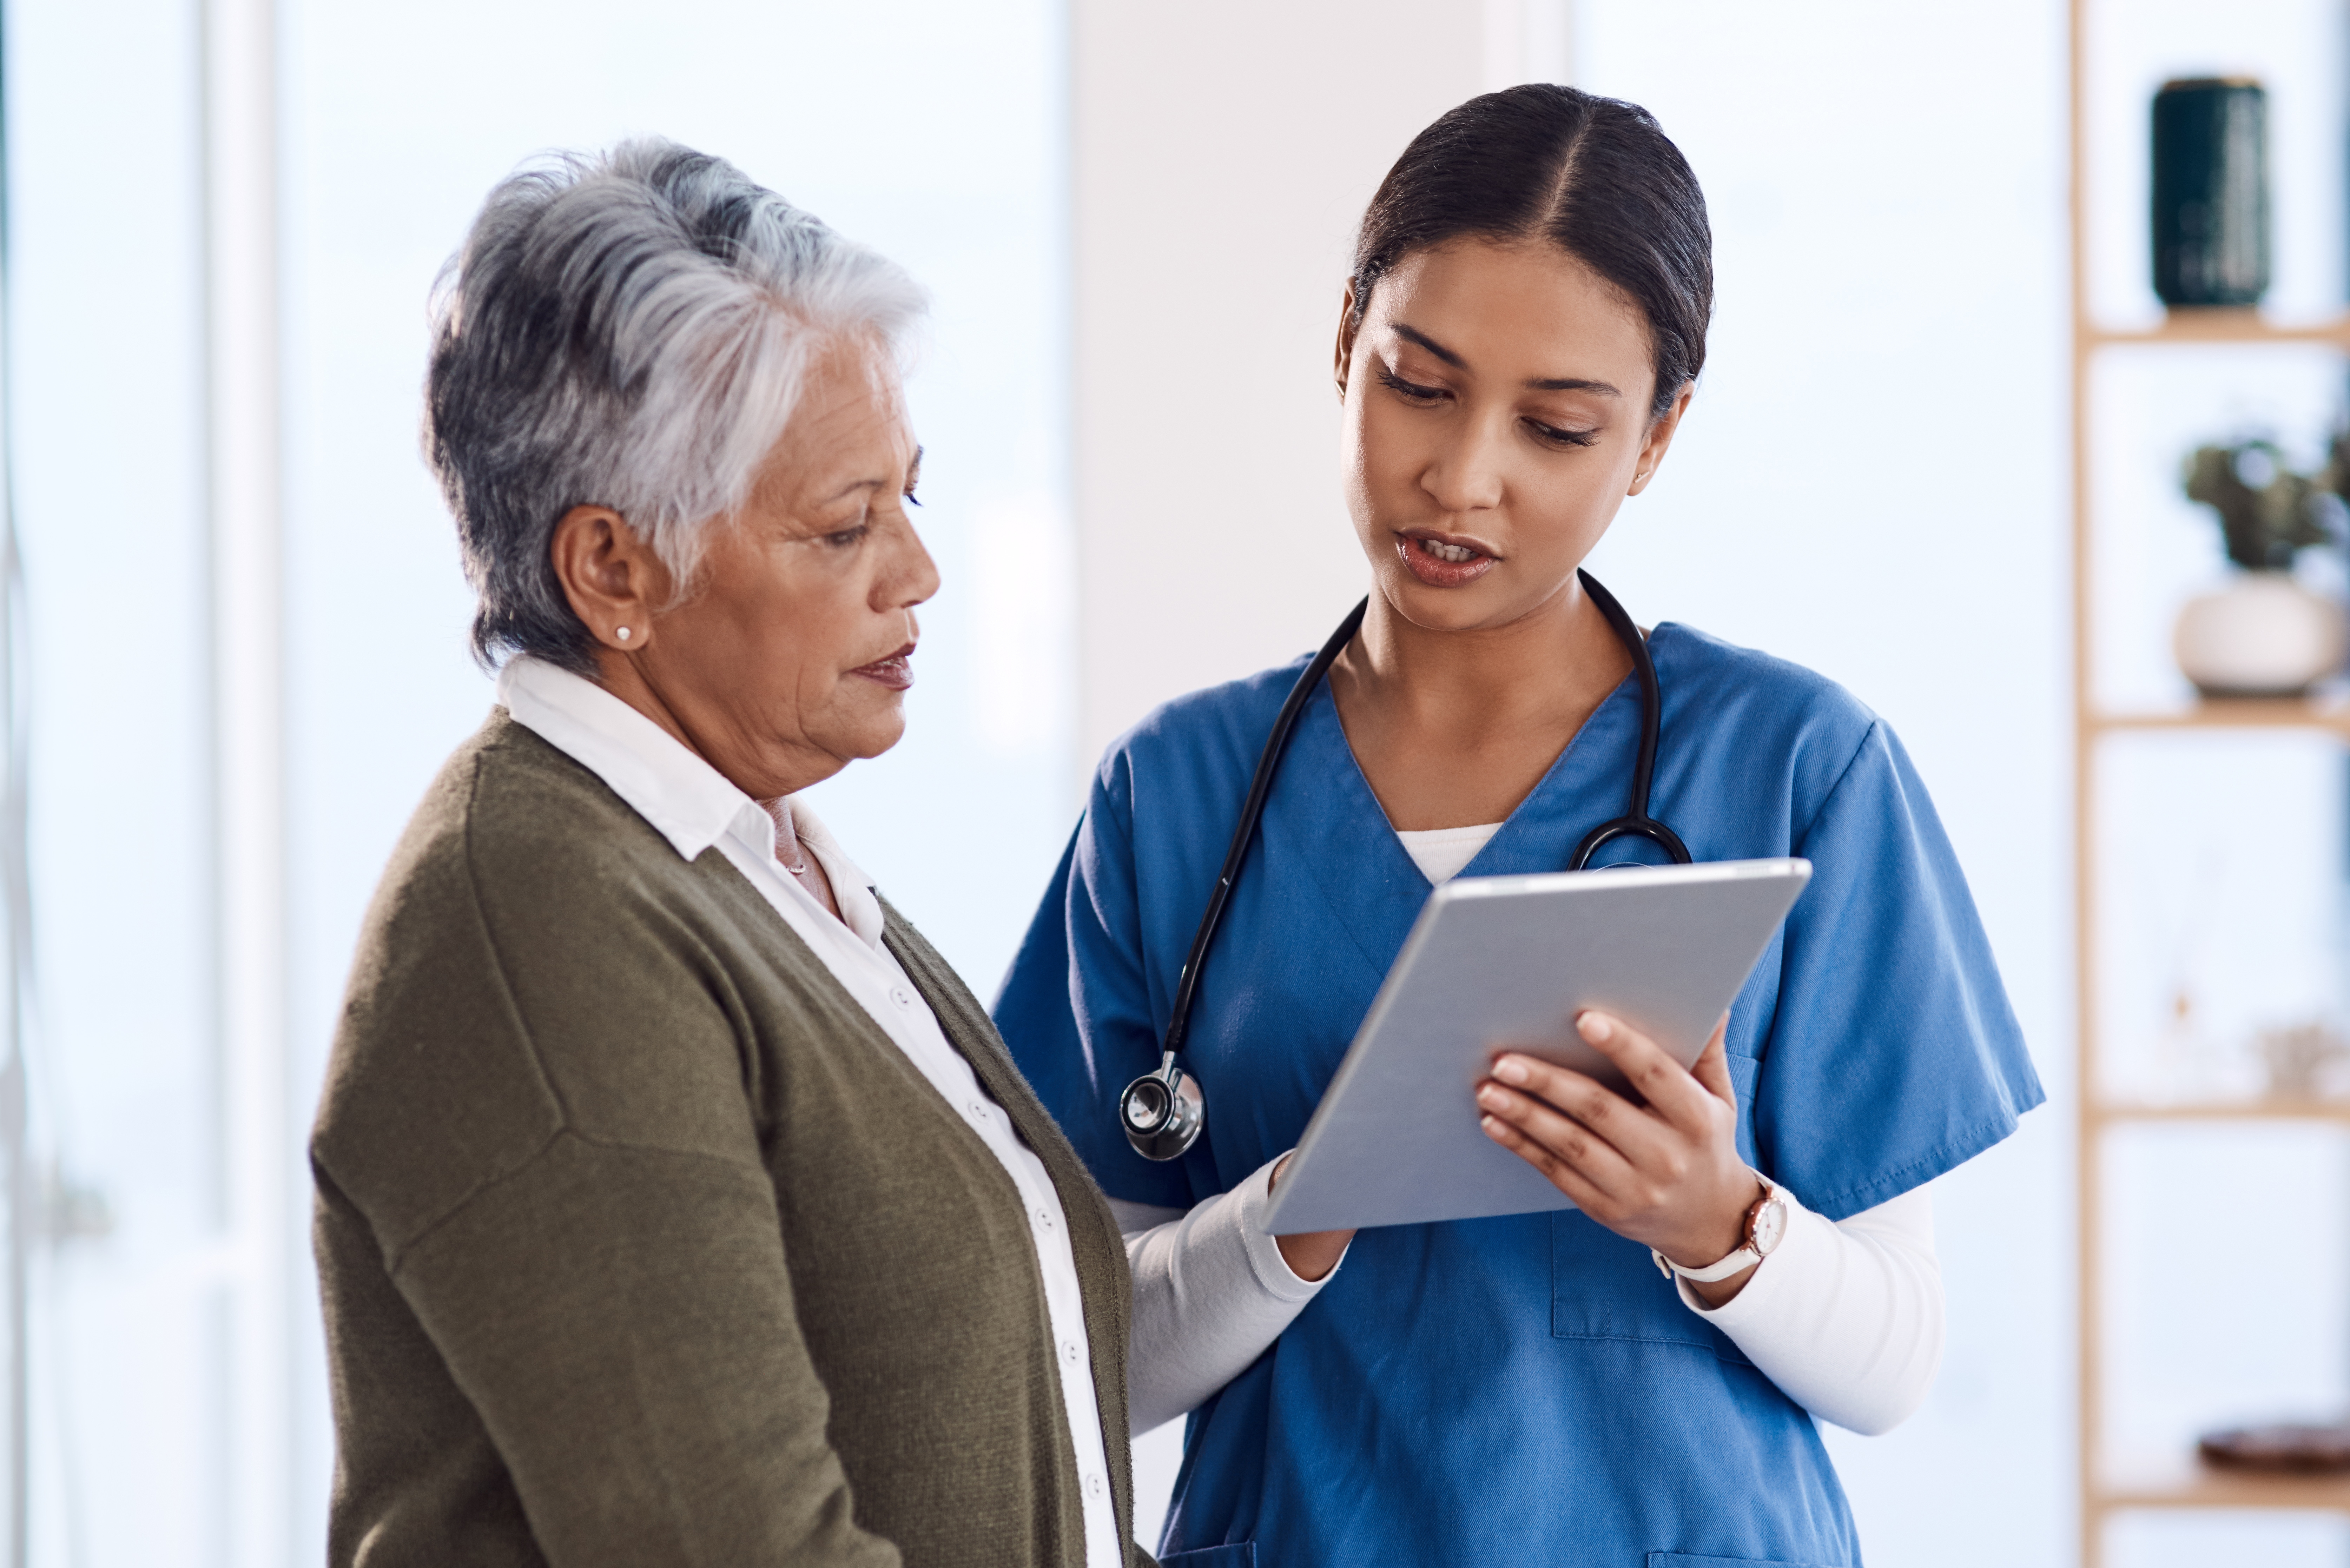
[{"x": 1497, "y": 401}]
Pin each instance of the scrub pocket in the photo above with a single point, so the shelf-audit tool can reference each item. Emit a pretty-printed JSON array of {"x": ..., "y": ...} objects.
[
  {"x": 1604, "y": 1287},
  {"x": 1684, "y": 1560},
  {"x": 1242, "y": 1554}
]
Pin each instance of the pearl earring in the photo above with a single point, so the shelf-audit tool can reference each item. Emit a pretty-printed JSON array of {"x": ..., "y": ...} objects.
[{"x": 624, "y": 634}]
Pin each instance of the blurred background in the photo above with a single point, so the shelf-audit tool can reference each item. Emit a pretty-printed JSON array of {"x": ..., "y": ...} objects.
[{"x": 1936, "y": 454}]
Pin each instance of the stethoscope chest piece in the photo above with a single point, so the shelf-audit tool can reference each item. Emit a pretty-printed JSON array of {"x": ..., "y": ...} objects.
[{"x": 1162, "y": 1112}]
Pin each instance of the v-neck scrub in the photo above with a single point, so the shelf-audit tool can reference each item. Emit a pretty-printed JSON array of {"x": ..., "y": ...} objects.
[{"x": 1526, "y": 1388}]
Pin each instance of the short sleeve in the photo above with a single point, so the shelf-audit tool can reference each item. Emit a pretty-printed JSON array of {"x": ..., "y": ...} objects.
[
  {"x": 1893, "y": 1055},
  {"x": 1075, "y": 1008}
]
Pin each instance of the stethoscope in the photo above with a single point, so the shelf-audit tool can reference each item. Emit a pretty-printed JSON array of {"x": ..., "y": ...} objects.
[{"x": 1163, "y": 1111}]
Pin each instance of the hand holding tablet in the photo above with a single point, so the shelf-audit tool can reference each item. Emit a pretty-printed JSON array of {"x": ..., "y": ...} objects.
[
  {"x": 1505, "y": 966},
  {"x": 1662, "y": 1170}
]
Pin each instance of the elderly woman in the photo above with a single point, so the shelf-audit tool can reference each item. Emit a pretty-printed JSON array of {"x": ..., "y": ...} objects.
[{"x": 677, "y": 1204}]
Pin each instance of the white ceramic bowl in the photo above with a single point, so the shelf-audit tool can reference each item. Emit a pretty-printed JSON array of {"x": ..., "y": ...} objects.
[{"x": 2263, "y": 635}]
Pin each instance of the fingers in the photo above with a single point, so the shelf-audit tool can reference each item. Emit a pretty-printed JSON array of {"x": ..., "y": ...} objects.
[
  {"x": 1666, "y": 1172},
  {"x": 1560, "y": 1173},
  {"x": 1627, "y": 1165},
  {"x": 1664, "y": 1083},
  {"x": 1632, "y": 1130},
  {"x": 1532, "y": 1112}
]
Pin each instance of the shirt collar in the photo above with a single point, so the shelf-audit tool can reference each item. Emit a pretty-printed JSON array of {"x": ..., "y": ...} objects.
[
  {"x": 852, "y": 890},
  {"x": 686, "y": 800}
]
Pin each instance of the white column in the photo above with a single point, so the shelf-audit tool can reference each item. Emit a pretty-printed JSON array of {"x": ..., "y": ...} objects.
[
  {"x": 1222, "y": 152},
  {"x": 240, "y": 109},
  {"x": 1528, "y": 41}
]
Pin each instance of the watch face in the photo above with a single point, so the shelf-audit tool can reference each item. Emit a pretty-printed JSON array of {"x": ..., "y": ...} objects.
[{"x": 1769, "y": 1225}]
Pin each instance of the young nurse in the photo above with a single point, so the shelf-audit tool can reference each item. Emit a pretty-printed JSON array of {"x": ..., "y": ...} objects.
[{"x": 1518, "y": 343}]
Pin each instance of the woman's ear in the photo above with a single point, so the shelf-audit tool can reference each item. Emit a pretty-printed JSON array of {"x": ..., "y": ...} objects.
[
  {"x": 1660, "y": 437},
  {"x": 610, "y": 575},
  {"x": 1343, "y": 362}
]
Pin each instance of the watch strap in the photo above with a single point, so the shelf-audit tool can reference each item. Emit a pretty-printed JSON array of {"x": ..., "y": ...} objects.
[{"x": 1745, "y": 1257}]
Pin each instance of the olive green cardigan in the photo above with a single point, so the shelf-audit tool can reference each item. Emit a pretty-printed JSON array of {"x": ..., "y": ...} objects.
[{"x": 640, "y": 1244}]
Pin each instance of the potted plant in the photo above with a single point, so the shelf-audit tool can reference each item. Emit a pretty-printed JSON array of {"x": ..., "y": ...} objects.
[{"x": 2265, "y": 634}]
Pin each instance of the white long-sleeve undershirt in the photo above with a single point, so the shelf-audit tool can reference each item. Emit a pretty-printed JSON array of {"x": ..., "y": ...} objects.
[
  {"x": 1845, "y": 1317},
  {"x": 1211, "y": 1291}
]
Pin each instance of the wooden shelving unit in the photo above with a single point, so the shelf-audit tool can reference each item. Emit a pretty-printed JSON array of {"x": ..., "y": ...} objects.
[
  {"x": 2197, "y": 1488},
  {"x": 2219, "y": 327},
  {"x": 2247, "y": 714},
  {"x": 2109, "y": 1112},
  {"x": 2180, "y": 1482}
]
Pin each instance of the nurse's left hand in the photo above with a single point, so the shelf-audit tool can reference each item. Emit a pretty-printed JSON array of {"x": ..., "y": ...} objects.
[{"x": 1665, "y": 1174}]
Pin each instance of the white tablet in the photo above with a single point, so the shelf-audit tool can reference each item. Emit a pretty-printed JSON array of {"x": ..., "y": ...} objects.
[{"x": 1510, "y": 961}]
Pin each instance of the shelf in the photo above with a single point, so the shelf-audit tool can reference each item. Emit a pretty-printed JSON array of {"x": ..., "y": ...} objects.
[
  {"x": 2233, "y": 713},
  {"x": 2115, "y": 1475},
  {"x": 2190, "y": 1485},
  {"x": 2219, "y": 327},
  {"x": 2225, "y": 1111}
]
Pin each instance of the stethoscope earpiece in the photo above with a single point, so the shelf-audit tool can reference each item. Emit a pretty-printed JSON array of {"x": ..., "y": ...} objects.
[{"x": 1163, "y": 1111}]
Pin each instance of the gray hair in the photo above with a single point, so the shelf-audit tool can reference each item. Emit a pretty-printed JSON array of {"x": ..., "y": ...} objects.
[{"x": 632, "y": 331}]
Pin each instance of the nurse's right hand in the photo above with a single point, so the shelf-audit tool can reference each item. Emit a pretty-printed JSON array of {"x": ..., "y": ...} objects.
[
  {"x": 1310, "y": 1254},
  {"x": 1664, "y": 1172}
]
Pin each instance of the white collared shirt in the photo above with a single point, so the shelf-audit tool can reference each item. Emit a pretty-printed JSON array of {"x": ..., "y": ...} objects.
[{"x": 693, "y": 806}]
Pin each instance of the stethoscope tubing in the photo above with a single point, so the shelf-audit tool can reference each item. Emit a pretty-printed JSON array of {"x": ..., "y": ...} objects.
[
  {"x": 1161, "y": 1127},
  {"x": 1635, "y": 822},
  {"x": 1268, "y": 765}
]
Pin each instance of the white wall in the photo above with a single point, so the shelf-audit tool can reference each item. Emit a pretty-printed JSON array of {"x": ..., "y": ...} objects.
[{"x": 1871, "y": 481}]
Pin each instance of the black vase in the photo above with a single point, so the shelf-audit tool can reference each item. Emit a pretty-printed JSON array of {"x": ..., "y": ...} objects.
[{"x": 2210, "y": 193}]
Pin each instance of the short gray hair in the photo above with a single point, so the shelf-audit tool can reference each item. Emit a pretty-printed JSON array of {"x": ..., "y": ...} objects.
[{"x": 627, "y": 330}]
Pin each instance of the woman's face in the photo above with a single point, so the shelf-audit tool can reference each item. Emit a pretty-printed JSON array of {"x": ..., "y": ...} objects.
[
  {"x": 790, "y": 657},
  {"x": 1497, "y": 402}
]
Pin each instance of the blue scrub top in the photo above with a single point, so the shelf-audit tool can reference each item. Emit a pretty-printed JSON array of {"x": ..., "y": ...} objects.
[{"x": 1524, "y": 1389}]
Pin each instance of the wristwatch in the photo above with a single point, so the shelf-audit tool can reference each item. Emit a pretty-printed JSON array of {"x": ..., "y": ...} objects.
[{"x": 1766, "y": 1227}]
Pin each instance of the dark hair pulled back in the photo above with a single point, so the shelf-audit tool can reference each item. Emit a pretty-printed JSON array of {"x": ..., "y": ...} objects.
[{"x": 1595, "y": 176}]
